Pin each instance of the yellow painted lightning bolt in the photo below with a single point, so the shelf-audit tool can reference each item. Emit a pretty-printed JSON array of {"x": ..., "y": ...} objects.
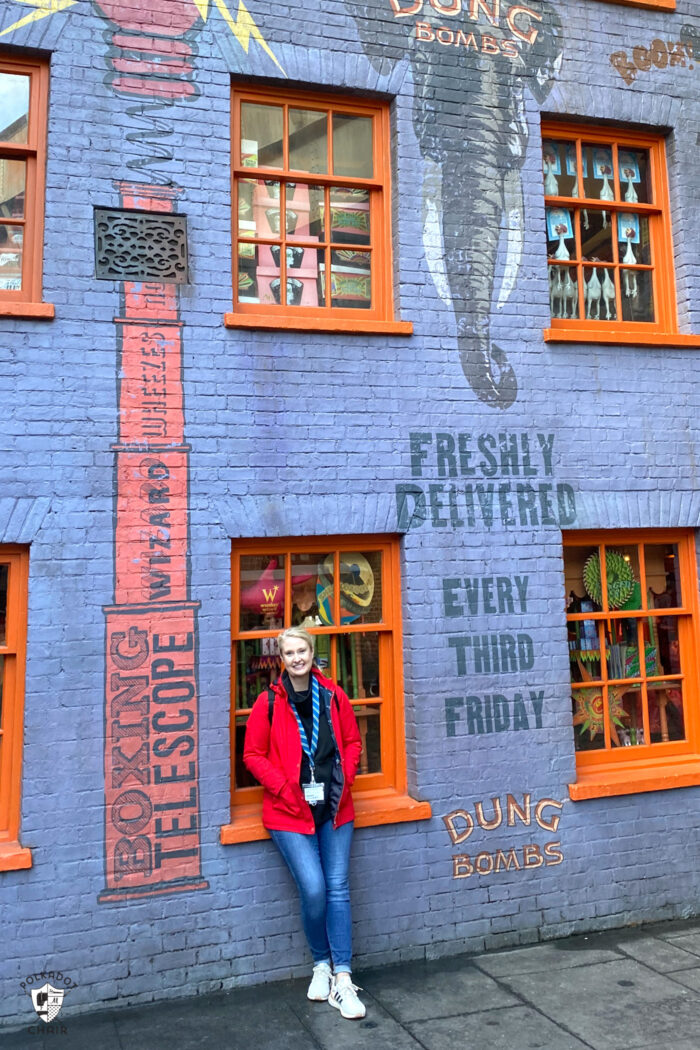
[
  {"x": 44, "y": 8},
  {"x": 242, "y": 26}
]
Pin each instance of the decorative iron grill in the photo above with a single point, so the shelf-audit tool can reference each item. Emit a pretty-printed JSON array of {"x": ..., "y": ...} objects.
[{"x": 140, "y": 246}]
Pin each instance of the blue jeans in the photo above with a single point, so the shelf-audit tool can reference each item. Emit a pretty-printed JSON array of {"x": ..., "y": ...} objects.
[{"x": 319, "y": 865}]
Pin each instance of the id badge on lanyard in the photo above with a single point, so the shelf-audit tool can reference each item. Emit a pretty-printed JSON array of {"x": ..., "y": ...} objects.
[{"x": 313, "y": 791}]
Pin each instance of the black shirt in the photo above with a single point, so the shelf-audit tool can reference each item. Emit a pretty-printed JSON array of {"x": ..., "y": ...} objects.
[{"x": 325, "y": 749}]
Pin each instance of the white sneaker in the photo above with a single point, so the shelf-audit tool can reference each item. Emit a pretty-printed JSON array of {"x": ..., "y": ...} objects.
[
  {"x": 320, "y": 986},
  {"x": 344, "y": 997}
]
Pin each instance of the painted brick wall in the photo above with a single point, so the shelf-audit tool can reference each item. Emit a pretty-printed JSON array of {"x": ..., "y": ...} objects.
[{"x": 289, "y": 430}]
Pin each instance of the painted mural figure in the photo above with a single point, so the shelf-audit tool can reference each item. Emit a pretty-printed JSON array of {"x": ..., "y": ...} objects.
[{"x": 471, "y": 62}]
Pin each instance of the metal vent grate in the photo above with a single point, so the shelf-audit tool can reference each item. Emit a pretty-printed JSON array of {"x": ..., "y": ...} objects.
[{"x": 140, "y": 246}]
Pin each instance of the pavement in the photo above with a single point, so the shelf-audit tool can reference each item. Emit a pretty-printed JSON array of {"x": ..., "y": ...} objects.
[{"x": 630, "y": 989}]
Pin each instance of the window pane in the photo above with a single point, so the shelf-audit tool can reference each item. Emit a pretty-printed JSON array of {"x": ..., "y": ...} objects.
[
  {"x": 629, "y": 727},
  {"x": 666, "y": 717},
  {"x": 309, "y": 580},
  {"x": 575, "y": 560},
  {"x": 13, "y": 177},
  {"x": 350, "y": 215},
  {"x": 304, "y": 268},
  {"x": 261, "y": 590},
  {"x": 635, "y": 183},
  {"x": 257, "y": 664},
  {"x": 598, "y": 183},
  {"x": 248, "y": 272},
  {"x": 352, "y": 146},
  {"x": 368, "y": 722},
  {"x": 596, "y": 235},
  {"x": 665, "y": 638},
  {"x": 633, "y": 239},
  {"x": 563, "y": 291},
  {"x": 242, "y": 777},
  {"x": 588, "y": 718},
  {"x": 663, "y": 575},
  {"x": 246, "y": 215},
  {"x": 351, "y": 286},
  {"x": 561, "y": 242},
  {"x": 599, "y": 291},
  {"x": 261, "y": 136},
  {"x": 584, "y": 643},
  {"x": 361, "y": 586},
  {"x": 559, "y": 167},
  {"x": 11, "y": 240},
  {"x": 267, "y": 274},
  {"x": 305, "y": 212},
  {"x": 14, "y": 107},
  {"x": 637, "y": 295},
  {"x": 2, "y": 676},
  {"x": 358, "y": 665},
  {"x": 308, "y": 140},
  {"x": 3, "y": 604}
]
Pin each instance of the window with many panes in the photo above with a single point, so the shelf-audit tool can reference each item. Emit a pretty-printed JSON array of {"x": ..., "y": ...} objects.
[
  {"x": 632, "y": 630},
  {"x": 345, "y": 591},
  {"x": 608, "y": 232},
  {"x": 23, "y": 104},
  {"x": 311, "y": 212},
  {"x": 14, "y": 563}
]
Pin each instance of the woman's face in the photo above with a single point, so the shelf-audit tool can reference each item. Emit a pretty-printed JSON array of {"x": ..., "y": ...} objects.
[{"x": 297, "y": 657}]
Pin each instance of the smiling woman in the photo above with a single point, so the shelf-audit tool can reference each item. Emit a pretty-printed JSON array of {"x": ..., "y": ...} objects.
[{"x": 303, "y": 744}]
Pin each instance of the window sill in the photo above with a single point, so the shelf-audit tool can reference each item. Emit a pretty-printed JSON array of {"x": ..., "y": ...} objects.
[
  {"x": 384, "y": 806},
  {"x": 608, "y": 336},
  {"x": 652, "y": 5},
  {"x": 598, "y": 782},
  {"x": 350, "y": 325},
  {"x": 14, "y": 857},
  {"x": 36, "y": 311}
]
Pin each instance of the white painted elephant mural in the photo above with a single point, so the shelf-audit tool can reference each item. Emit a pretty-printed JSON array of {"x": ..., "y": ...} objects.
[{"x": 472, "y": 61}]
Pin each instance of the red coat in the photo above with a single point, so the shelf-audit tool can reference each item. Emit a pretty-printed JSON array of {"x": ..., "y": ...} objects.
[{"x": 273, "y": 756}]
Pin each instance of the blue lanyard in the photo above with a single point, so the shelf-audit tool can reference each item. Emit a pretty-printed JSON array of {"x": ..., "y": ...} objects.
[{"x": 309, "y": 747}]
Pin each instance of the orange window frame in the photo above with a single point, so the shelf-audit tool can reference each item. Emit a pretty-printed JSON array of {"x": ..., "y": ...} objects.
[
  {"x": 664, "y": 329},
  {"x": 653, "y": 5},
  {"x": 27, "y": 300},
  {"x": 652, "y": 765},
  {"x": 322, "y": 317},
  {"x": 13, "y": 654},
  {"x": 379, "y": 797}
]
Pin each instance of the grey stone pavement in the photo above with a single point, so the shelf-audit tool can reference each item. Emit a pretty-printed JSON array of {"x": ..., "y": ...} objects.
[{"x": 629, "y": 989}]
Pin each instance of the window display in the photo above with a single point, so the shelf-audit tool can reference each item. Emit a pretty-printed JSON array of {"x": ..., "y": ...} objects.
[
  {"x": 345, "y": 591},
  {"x": 608, "y": 232},
  {"x": 631, "y": 637},
  {"x": 311, "y": 186}
]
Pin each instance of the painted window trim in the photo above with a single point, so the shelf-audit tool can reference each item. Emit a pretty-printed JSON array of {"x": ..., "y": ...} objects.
[
  {"x": 27, "y": 302},
  {"x": 378, "y": 798},
  {"x": 601, "y": 776},
  {"x": 664, "y": 331},
  {"x": 12, "y": 855},
  {"x": 652, "y": 5},
  {"x": 380, "y": 318}
]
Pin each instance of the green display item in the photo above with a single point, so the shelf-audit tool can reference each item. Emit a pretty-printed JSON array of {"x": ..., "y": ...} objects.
[{"x": 619, "y": 575}]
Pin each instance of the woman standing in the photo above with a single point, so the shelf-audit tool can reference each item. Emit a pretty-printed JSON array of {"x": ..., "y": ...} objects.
[{"x": 303, "y": 745}]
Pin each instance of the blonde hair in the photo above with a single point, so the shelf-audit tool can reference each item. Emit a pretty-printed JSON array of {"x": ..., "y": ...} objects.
[{"x": 295, "y": 632}]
